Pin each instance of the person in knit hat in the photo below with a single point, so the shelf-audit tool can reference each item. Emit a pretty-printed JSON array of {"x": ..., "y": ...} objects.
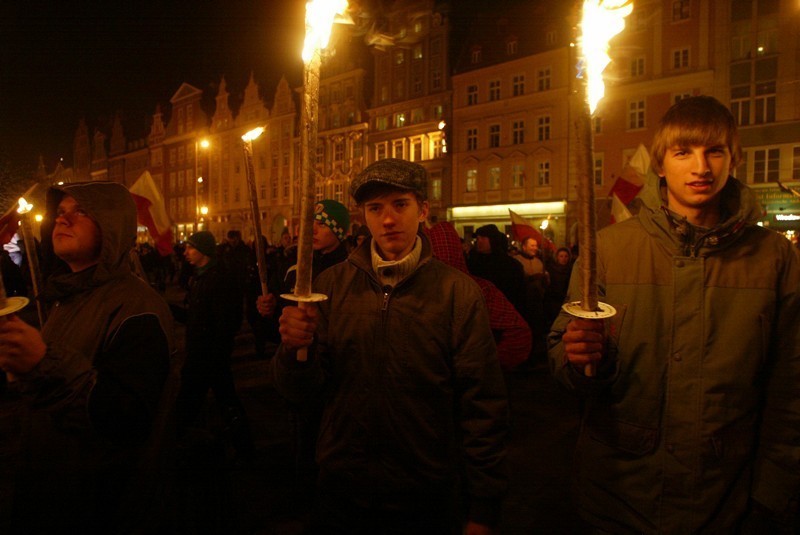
[
  {"x": 402, "y": 358},
  {"x": 213, "y": 316}
]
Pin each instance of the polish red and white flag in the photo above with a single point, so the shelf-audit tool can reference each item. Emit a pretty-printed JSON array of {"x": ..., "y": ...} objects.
[
  {"x": 521, "y": 228},
  {"x": 151, "y": 211}
]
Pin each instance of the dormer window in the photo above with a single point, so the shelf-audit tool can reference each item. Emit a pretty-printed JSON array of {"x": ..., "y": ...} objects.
[
  {"x": 512, "y": 46},
  {"x": 475, "y": 54}
]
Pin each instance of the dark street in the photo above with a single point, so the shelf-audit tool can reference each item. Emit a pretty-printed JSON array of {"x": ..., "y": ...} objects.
[{"x": 261, "y": 497}]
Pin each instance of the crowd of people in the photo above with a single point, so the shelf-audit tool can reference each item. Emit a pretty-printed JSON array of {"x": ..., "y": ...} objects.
[{"x": 395, "y": 382}]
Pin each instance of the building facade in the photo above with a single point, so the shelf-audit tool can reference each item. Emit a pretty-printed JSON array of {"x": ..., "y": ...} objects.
[{"x": 483, "y": 103}]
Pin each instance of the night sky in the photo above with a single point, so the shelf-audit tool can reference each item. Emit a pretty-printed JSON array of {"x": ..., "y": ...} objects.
[{"x": 63, "y": 60}]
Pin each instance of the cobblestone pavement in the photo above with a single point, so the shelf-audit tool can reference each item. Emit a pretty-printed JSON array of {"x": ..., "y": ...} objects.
[{"x": 261, "y": 497}]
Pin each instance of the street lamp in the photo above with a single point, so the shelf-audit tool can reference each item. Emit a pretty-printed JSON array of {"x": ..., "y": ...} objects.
[{"x": 198, "y": 144}]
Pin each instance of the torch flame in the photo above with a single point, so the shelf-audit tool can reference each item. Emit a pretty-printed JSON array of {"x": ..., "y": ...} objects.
[
  {"x": 320, "y": 15},
  {"x": 24, "y": 206},
  {"x": 602, "y": 20},
  {"x": 253, "y": 134}
]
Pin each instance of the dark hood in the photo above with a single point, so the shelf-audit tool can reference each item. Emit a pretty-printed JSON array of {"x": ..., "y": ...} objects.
[{"x": 110, "y": 205}]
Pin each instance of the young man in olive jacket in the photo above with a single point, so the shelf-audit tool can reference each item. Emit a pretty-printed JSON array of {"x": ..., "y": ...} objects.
[
  {"x": 92, "y": 379},
  {"x": 692, "y": 421},
  {"x": 403, "y": 358}
]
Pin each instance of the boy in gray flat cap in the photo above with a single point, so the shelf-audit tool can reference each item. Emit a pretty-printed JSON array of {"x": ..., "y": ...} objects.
[{"x": 413, "y": 392}]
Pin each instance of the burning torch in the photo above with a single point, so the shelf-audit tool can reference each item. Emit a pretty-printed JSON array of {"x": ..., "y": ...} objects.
[
  {"x": 261, "y": 257},
  {"x": 601, "y": 20},
  {"x": 320, "y": 16},
  {"x": 30, "y": 250}
]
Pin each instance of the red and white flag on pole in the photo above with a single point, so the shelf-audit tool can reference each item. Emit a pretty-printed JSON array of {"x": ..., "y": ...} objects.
[
  {"x": 521, "y": 228},
  {"x": 628, "y": 185},
  {"x": 151, "y": 211}
]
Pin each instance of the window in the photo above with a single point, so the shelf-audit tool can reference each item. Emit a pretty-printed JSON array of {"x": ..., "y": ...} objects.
[
  {"x": 494, "y": 135},
  {"x": 766, "y": 164},
  {"x": 680, "y": 10},
  {"x": 436, "y": 186},
  {"x": 550, "y": 38},
  {"x": 753, "y": 88},
  {"x": 417, "y": 115},
  {"x": 796, "y": 163},
  {"x": 677, "y": 97},
  {"x": 512, "y": 46},
  {"x": 320, "y": 160},
  {"x": 416, "y": 149},
  {"x": 597, "y": 125},
  {"x": 637, "y": 67},
  {"x": 381, "y": 123},
  {"x": 472, "y": 180},
  {"x": 475, "y": 54},
  {"x": 262, "y": 191},
  {"x": 338, "y": 151},
  {"x": 494, "y": 90},
  {"x": 472, "y": 95},
  {"x": 543, "y": 128},
  {"x": 399, "y": 120},
  {"x": 472, "y": 139},
  {"x": 319, "y": 192},
  {"x": 338, "y": 192},
  {"x": 680, "y": 58},
  {"x": 518, "y": 175},
  {"x": 417, "y": 52},
  {"x": 286, "y": 186},
  {"x": 543, "y": 173},
  {"x": 438, "y": 112},
  {"x": 518, "y": 85},
  {"x": 543, "y": 79},
  {"x": 399, "y": 57},
  {"x": 494, "y": 178},
  {"x": 380, "y": 151},
  {"x": 636, "y": 114},
  {"x": 436, "y": 79},
  {"x": 436, "y": 146},
  {"x": 518, "y": 132},
  {"x": 398, "y": 149},
  {"x": 598, "y": 170}
]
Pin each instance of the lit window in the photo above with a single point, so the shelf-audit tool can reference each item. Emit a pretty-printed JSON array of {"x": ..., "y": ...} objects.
[{"x": 472, "y": 180}]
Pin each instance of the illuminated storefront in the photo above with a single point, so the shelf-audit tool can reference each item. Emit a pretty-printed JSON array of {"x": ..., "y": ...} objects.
[
  {"x": 781, "y": 209},
  {"x": 548, "y": 217}
]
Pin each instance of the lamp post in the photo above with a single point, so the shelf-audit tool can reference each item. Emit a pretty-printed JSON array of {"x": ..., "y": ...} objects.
[{"x": 198, "y": 178}]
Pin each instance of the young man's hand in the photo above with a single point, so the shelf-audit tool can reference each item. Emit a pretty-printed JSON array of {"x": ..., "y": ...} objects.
[
  {"x": 584, "y": 341},
  {"x": 21, "y": 346},
  {"x": 265, "y": 304},
  {"x": 298, "y": 326}
]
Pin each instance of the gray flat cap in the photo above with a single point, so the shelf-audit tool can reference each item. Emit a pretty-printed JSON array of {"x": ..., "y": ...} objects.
[{"x": 393, "y": 172}]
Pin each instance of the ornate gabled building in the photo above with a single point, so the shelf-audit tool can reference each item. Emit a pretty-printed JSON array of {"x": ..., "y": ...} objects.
[
  {"x": 182, "y": 165},
  {"x": 343, "y": 121}
]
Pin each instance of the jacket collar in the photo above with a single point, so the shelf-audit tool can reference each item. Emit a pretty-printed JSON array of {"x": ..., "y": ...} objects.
[{"x": 740, "y": 209}]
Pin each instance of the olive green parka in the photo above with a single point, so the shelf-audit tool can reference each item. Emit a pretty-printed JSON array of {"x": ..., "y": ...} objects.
[{"x": 695, "y": 408}]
